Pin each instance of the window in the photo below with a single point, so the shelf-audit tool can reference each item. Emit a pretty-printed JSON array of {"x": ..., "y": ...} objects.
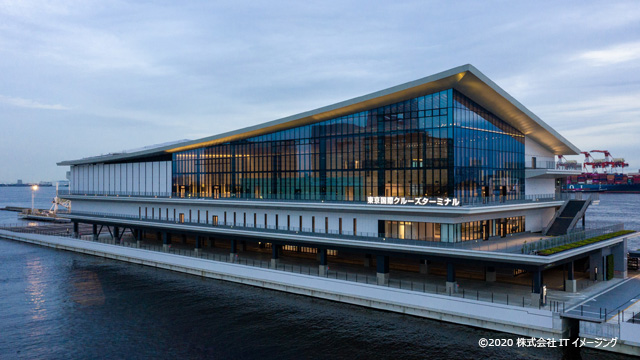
[{"x": 441, "y": 144}]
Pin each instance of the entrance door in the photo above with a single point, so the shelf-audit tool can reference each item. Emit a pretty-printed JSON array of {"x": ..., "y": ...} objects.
[
  {"x": 216, "y": 192},
  {"x": 181, "y": 218},
  {"x": 214, "y": 220}
]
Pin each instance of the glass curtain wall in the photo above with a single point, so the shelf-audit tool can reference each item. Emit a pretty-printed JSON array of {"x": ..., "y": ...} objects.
[
  {"x": 488, "y": 153},
  {"x": 408, "y": 149}
]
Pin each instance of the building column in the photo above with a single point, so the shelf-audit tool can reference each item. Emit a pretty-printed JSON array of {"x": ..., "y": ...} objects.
[
  {"x": 595, "y": 266},
  {"x": 166, "y": 241},
  {"x": 490, "y": 274},
  {"x": 116, "y": 234},
  {"x": 424, "y": 267},
  {"x": 367, "y": 260},
  {"x": 536, "y": 288},
  {"x": 275, "y": 254},
  {"x": 198, "y": 248},
  {"x": 452, "y": 284},
  {"x": 619, "y": 253},
  {"x": 138, "y": 234},
  {"x": 75, "y": 229},
  {"x": 94, "y": 232},
  {"x": 323, "y": 267},
  {"x": 570, "y": 285},
  {"x": 233, "y": 254},
  {"x": 382, "y": 269}
]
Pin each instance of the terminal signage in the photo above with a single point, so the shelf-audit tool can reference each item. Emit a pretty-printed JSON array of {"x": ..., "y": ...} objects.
[{"x": 418, "y": 201}]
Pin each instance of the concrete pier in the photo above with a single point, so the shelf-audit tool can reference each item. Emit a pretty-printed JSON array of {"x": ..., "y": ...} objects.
[{"x": 508, "y": 318}]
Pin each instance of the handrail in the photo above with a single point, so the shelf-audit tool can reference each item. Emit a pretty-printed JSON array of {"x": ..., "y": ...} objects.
[{"x": 471, "y": 201}]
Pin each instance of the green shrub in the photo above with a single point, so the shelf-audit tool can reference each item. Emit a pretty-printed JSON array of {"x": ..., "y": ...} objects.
[{"x": 584, "y": 242}]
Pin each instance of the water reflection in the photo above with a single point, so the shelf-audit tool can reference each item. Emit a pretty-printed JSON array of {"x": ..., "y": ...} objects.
[
  {"x": 87, "y": 289},
  {"x": 36, "y": 289}
]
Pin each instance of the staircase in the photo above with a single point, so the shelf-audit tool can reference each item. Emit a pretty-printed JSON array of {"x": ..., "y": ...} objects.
[{"x": 567, "y": 217}]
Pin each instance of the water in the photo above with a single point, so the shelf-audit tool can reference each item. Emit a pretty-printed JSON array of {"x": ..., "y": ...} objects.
[{"x": 63, "y": 305}]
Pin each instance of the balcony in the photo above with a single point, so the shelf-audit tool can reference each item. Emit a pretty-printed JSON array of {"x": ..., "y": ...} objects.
[
  {"x": 548, "y": 168},
  {"x": 491, "y": 199}
]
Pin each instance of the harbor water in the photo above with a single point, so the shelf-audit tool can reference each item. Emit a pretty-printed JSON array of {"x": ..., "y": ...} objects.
[{"x": 63, "y": 305}]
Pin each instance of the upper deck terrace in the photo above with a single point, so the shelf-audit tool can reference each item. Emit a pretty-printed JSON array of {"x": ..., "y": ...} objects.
[{"x": 439, "y": 203}]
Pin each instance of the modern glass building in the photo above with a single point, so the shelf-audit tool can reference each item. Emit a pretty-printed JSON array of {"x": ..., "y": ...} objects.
[
  {"x": 448, "y": 170},
  {"x": 441, "y": 144},
  {"x": 446, "y": 158}
]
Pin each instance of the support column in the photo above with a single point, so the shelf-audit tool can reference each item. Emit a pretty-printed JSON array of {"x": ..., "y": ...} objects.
[
  {"x": 570, "y": 285},
  {"x": 198, "y": 248},
  {"x": 94, "y": 231},
  {"x": 536, "y": 288},
  {"x": 424, "y": 267},
  {"x": 138, "y": 234},
  {"x": 452, "y": 284},
  {"x": 275, "y": 254},
  {"x": 595, "y": 266},
  {"x": 166, "y": 241},
  {"x": 382, "y": 269},
  {"x": 233, "y": 255},
  {"x": 583, "y": 222},
  {"x": 619, "y": 253},
  {"x": 323, "y": 267},
  {"x": 490, "y": 275},
  {"x": 367, "y": 260},
  {"x": 75, "y": 229},
  {"x": 116, "y": 234}
]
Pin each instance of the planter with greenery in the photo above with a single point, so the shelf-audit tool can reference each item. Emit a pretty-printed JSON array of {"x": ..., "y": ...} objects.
[{"x": 584, "y": 242}]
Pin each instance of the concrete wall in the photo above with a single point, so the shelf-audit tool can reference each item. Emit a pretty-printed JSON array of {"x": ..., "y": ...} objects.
[
  {"x": 532, "y": 148},
  {"x": 539, "y": 186},
  {"x": 539, "y": 219},
  {"x": 143, "y": 177}
]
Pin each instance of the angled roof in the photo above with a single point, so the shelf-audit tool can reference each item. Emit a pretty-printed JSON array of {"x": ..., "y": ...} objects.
[{"x": 466, "y": 79}]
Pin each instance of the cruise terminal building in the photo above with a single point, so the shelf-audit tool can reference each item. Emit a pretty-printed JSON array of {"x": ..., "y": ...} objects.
[{"x": 443, "y": 174}]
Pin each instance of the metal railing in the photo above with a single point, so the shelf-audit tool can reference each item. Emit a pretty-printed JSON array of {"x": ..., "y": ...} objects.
[
  {"x": 492, "y": 199},
  {"x": 572, "y": 237}
]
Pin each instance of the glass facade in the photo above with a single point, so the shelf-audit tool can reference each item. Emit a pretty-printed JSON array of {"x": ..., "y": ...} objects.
[
  {"x": 473, "y": 230},
  {"x": 442, "y": 144}
]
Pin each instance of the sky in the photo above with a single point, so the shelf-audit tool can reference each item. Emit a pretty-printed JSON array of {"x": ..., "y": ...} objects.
[{"x": 84, "y": 78}]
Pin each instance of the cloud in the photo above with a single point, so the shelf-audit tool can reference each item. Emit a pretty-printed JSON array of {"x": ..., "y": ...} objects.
[
  {"x": 30, "y": 104},
  {"x": 612, "y": 55}
]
